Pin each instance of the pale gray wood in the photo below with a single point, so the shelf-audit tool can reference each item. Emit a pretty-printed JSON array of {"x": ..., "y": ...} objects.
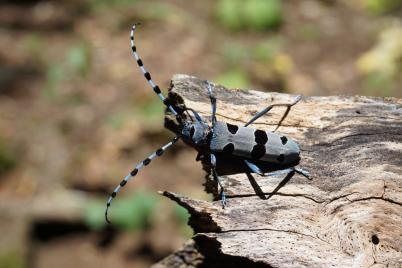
[{"x": 349, "y": 215}]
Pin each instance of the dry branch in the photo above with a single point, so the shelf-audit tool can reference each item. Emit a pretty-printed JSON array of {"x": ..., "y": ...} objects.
[{"x": 349, "y": 215}]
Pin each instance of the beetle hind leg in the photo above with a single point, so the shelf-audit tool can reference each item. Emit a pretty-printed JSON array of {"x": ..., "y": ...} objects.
[
  {"x": 303, "y": 172},
  {"x": 256, "y": 169},
  {"x": 267, "y": 109}
]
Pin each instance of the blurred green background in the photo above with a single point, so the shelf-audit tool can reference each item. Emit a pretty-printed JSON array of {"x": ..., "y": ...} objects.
[{"x": 76, "y": 114}]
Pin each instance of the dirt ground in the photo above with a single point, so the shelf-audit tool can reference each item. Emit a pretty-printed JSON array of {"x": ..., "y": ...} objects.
[{"x": 76, "y": 114}]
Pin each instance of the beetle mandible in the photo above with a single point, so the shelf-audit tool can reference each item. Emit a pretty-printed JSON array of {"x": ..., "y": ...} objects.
[{"x": 249, "y": 144}]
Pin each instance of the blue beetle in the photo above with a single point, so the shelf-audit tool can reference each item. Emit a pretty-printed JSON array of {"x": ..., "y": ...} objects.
[{"x": 250, "y": 145}]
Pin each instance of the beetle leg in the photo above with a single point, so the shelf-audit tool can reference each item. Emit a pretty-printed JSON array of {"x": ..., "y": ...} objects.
[
  {"x": 267, "y": 109},
  {"x": 213, "y": 102},
  {"x": 199, "y": 156},
  {"x": 216, "y": 178},
  {"x": 256, "y": 169},
  {"x": 197, "y": 116}
]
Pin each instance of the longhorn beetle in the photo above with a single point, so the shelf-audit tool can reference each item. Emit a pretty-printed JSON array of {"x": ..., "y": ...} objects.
[{"x": 248, "y": 144}]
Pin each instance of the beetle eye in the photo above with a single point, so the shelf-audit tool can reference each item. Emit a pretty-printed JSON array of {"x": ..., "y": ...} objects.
[{"x": 209, "y": 135}]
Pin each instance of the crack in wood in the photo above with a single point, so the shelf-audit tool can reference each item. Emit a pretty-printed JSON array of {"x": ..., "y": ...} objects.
[
  {"x": 275, "y": 193},
  {"x": 332, "y": 143},
  {"x": 376, "y": 198},
  {"x": 273, "y": 230}
]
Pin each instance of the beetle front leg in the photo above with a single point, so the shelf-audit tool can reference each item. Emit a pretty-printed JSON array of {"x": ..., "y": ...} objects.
[
  {"x": 216, "y": 178},
  {"x": 213, "y": 102}
]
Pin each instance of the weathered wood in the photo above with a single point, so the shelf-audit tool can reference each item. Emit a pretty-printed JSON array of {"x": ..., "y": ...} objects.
[{"x": 350, "y": 214}]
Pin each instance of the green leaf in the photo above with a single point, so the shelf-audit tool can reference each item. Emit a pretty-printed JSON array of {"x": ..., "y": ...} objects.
[
  {"x": 229, "y": 14},
  {"x": 54, "y": 76},
  {"x": 153, "y": 109},
  {"x": 266, "y": 51},
  {"x": 11, "y": 259},
  {"x": 130, "y": 213},
  {"x": 181, "y": 214},
  {"x": 100, "y": 4},
  {"x": 379, "y": 7},
  {"x": 233, "y": 79},
  {"x": 263, "y": 14},
  {"x": 259, "y": 15},
  {"x": 78, "y": 58},
  {"x": 8, "y": 159}
]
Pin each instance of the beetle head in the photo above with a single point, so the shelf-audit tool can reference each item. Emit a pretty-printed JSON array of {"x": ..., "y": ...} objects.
[{"x": 196, "y": 132}]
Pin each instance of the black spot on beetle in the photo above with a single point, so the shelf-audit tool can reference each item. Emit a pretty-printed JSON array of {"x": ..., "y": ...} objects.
[
  {"x": 113, "y": 194},
  {"x": 146, "y": 161},
  {"x": 192, "y": 131},
  {"x": 258, "y": 151},
  {"x": 134, "y": 172},
  {"x": 284, "y": 140},
  {"x": 157, "y": 89},
  {"x": 232, "y": 128},
  {"x": 147, "y": 76},
  {"x": 159, "y": 152},
  {"x": 122, "y": 183},
  {"x": 209, "y": 136},
  {"x": 228, "y": 149},
  {"x": 281, "y": 158},
  {"x": 375, "y": 240},
  {"x": 260, "y": 137}
]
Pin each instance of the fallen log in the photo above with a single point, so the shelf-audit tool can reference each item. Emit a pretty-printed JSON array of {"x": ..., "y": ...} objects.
[{"x": 348, "y": 215}]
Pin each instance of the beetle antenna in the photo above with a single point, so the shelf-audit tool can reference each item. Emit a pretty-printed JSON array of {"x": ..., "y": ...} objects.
[
  {"x": 147, "y": 75},
  {"x": 134, "y": 172}
]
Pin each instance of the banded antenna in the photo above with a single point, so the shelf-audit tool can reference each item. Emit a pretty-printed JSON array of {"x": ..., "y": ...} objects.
[
  {"x": 134, "y": 172},
  {"x": 147, "y": 75}
]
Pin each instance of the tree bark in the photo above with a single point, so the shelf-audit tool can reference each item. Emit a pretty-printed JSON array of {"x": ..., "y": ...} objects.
[{"x": 348, "y": 215}]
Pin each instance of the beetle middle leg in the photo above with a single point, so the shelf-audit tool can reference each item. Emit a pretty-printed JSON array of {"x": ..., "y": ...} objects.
[
  {"x": 216, "y": 178},
  {"x": 267, "y": 109}
]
